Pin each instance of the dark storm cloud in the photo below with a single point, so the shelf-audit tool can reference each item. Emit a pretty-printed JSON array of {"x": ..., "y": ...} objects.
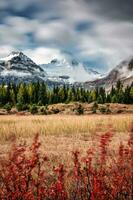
[
  {"x": 28, "y": 8},
  {"x": 113, "y": 9},
  {"x": 96, "y": 31},
  {"x": 83, "y": 26},
  {"x": 22, "y": 9}
]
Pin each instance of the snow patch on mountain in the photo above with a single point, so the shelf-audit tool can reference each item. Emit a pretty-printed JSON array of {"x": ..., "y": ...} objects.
[
  {"x": 14, "y": 73},
  {"x": 70, "y": 67}
]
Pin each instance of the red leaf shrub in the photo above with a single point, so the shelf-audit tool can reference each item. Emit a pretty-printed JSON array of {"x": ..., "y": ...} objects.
[{"x": 25, "y": 174}]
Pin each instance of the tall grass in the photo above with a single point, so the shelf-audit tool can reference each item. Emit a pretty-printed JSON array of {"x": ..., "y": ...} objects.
[{"x": 70, "y": 126}]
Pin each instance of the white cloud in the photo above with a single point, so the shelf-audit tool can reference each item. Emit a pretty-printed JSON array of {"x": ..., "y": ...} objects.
[
  {"x": 9, "y": 36},
  {"x": 6, "y": 50},
  {"x": 110, "y": 39},
  {"x": 22, "y": 25},
  {"x": 43, "y": 55},
  {"x": 55, "y": 31}
]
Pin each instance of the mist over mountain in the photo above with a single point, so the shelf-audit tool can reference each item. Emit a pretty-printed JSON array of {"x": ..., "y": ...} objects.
[{"x": 70, "y": 67}]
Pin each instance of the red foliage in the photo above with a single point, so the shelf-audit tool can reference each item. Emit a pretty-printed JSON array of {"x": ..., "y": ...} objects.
[{"x": 25, "y": 175}]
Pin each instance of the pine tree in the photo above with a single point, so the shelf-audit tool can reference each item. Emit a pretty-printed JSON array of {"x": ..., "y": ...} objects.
[
  {"x": 112, "y": 92},
  {"x": 108, "y": 98},
  {"x": 22, "y": 96},
  {"x": 69, "y": 96},
  {"x": 37, "y": 93},
  {"x": 100, "y": 99},
  {"x": 126, "y": 99},
  {"x": 3, "y": 95},
  {"x": 8, "y": 90},
  {"x": 61, "y": 95},
  {"x": 54, "y": 95},
  {"x": 42, "y": 95},
  {"x": 114, "y": 99},
  {"x": 120, "y": 96},
  {"x": 30, "y": 89},
  {"x": 93, "y": 95},
  {"x": 13, "y": 97},
  {"x": 119, "y": 85},
  {"x": 102, "y": 95},
  {"x": 131, "y": 94}
]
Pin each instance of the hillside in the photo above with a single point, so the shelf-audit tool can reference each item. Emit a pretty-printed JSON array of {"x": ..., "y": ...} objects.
[{"x": 123, "y": 72}]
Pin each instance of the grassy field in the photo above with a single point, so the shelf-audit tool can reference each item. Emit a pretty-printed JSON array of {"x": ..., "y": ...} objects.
[
  {"x": 104, "y": 171},
  {"x": 80, "y": 157},
  {"x": 61, "y": 134}
]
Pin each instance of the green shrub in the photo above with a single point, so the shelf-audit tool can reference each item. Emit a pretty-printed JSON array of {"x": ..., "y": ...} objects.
[
  {"x": 94, "y": 107},
  {"x": 80, "y": 110},
  {"x": 108, "y": 111},
  {"x": 19, "y": 106},
  {"x": 8, "y": 107},
  {"x": 33, "y": 109},
  {"x": 43, "y": 110},
  {"x": 22, "y": 107},
  {"x": 103, "y": 110},
  {"x": 55, "y": 110}
]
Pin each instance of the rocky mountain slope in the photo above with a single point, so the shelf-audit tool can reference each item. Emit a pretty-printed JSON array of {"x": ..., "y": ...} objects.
[
  {"x": 18, "y": 67},
  {"x": 123, "y": 72}
]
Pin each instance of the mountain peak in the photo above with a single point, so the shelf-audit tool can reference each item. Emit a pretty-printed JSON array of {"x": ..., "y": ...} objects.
[
  {"x": 12, "y": 55},
  {"x": 16, "y": 53},
  {"x": 18, "y": 63},
  {"x": 55, "y": 60}
]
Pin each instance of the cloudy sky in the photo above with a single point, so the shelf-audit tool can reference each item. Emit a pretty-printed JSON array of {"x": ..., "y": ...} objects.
[{"x": 97, "y": 32}]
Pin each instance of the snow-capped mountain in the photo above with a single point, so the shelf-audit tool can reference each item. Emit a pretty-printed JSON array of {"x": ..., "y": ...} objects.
[
  {"x": 18, "y": 67},
  {"x": 20, "y": 62},
  {"x": 70, "y": 69},
  {"x": 123, "y": 72}
]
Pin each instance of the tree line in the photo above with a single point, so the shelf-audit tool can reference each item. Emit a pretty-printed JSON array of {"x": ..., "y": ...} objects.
[{"x": 23, "y": 95}]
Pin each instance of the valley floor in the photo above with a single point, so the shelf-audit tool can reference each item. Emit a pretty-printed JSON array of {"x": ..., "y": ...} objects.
[{"x": 62, "y": 134}]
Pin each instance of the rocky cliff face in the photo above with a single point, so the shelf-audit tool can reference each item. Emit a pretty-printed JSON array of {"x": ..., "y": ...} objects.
[{"x": 123, "y": 72}]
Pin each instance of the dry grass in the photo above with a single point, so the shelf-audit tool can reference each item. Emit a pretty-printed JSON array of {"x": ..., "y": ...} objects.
[
  {"x": 61, "y": 134},
  {"x": 58, "y": 125}
]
